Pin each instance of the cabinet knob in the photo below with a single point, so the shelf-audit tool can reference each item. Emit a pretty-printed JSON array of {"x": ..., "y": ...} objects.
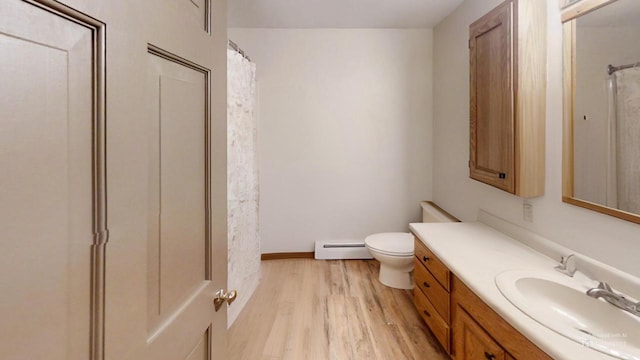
[
  {"x": 426, "y": 313},
  {"x": 425, "y": 258},
  {"x": 426, "y": 284},
  {"x": 489, "y": 356}
]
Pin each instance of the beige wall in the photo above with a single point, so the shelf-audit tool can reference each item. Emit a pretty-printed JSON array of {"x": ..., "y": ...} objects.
[
  {"x": 344, "y": 132},
  {"x": 597, "y": 47},
  {"x": 605, "y": 238}
]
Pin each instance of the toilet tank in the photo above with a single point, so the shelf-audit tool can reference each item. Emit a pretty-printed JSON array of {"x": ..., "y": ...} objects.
[{"x": 433, "y": 213}]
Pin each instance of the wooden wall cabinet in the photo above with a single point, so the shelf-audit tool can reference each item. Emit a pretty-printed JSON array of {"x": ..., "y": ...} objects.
[
  {"x": 508, "y": 60},
  {"x": 466, "y": 327}
]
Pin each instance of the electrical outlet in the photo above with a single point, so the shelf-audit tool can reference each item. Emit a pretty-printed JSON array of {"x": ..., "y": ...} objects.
[{"x": 527, "y": 211}]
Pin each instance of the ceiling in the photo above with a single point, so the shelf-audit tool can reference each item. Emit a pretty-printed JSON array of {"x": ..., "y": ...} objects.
[{"x": 310, "y": 14}]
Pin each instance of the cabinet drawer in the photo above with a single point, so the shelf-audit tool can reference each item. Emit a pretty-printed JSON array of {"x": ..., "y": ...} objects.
[
  {"x": 431, "y": 262},
  {"x": 436, "y": 294},
  {"x": 438, "y": 326}
]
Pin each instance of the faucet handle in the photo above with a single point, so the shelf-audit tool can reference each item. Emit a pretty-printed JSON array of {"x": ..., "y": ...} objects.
[
  {"x": 564, "y": 260},
  {"x": 603, "y": 285},
  {"x": 567, "y": 265}
]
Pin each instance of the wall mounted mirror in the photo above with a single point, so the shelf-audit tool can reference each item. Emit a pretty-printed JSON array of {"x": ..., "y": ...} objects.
[{"x": 601, "y": 149}]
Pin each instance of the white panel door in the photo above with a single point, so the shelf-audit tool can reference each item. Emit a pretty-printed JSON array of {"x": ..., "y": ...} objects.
[
  {"x": 179, "y": 276},
  {"x": 112, "y": 179},
  {"x": 47, "y": 211}
]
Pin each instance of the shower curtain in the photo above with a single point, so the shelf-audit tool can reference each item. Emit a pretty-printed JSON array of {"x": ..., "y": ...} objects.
[
  {"x": 628, "y": 139},
  {"x": 612, "y": 171},
  {"x": 242, "y": 181}
]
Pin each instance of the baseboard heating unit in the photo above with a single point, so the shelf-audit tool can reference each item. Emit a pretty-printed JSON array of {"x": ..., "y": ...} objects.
[{"x": 331, "y": 250}]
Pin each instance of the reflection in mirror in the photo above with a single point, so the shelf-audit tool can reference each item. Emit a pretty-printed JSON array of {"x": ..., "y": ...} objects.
[{"x": 606, "y": 107}]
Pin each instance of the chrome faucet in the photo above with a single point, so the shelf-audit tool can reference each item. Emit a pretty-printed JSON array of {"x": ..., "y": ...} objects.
[
  {"x": 604, "y": 291},
  {"x": 567, "y": 265}
]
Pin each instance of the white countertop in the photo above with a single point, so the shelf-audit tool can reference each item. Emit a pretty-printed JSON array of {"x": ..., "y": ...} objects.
[{"x": 476, "y": 253}]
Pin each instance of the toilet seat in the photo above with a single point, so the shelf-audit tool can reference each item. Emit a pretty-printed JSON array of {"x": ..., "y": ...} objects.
[{"x": 391, "y": 244}]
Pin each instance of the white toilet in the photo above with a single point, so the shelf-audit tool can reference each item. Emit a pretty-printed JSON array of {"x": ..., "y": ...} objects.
[{"x": 395, "y": 252}]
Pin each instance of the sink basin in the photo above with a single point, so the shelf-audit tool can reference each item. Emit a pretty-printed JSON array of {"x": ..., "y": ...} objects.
[{"x": 560, "y": 303}]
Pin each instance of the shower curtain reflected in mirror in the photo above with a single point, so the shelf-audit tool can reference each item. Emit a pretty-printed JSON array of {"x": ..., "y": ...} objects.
[
  {"x": 612, "y": 177},
  {"x": 624, "y": 125}
]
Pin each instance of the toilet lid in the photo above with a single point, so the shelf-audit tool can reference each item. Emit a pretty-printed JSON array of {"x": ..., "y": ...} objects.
[{"x": 400, "y": 244}]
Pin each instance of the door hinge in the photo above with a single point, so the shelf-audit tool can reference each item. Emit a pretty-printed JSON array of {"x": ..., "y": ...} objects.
[{"x": 469, "y": 43}]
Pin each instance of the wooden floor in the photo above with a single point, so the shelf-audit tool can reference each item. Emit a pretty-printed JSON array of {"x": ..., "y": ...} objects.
[{"x": 318, "y": 309}]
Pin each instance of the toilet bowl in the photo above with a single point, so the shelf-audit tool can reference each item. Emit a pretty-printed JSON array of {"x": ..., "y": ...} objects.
[{"x": 395, "y": 252}]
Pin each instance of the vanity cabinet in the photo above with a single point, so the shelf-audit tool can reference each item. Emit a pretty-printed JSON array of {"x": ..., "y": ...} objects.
[
  {"x": 475, "y": 343},
  {"x": 479, "y": 333},
  {"x": 466, "y": 327},
  {"x": 507, "y": 50},
  {"x": 431, "y": 294}
]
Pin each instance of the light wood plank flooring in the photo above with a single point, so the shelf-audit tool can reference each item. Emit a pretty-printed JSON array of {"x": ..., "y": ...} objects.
[{"x": 318, "y": 309}]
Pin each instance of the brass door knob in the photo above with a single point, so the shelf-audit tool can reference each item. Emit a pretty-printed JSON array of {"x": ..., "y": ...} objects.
[{"x": 224, "y": 297}]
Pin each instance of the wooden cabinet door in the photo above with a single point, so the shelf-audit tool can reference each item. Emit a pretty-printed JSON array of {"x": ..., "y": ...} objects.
[
  {"x": 492, "y": 133},
  {"x": 472, "y": 342},
  {"x": 112, "y": 179}
]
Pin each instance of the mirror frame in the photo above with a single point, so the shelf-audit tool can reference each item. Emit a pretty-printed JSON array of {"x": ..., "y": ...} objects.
[{"x": 571, "y": 10}]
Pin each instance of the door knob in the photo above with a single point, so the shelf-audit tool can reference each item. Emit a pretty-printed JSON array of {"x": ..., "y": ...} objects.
[{"x": 222, "y": 297}]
